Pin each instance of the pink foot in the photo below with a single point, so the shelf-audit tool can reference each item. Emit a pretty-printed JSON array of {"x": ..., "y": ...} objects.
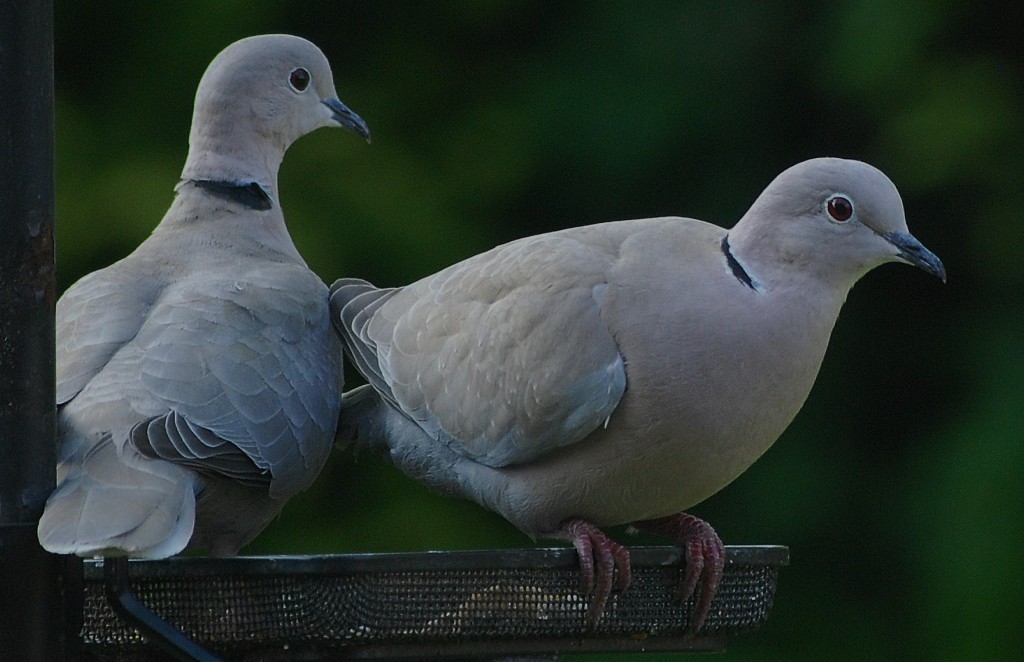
[
  {"x": 704, "y": 554},
  {"x": 599, "y": 557}
]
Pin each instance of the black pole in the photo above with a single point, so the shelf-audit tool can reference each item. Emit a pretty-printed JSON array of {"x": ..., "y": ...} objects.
[
  {"x": 31, "y": 613},
  {"x": 161, "y": 634}
]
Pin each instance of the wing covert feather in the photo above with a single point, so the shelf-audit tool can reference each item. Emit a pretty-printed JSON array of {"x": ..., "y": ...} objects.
[
  {"x": 95, "y": 318},
  {"x": 477, "y": 355},
  {"x": 255, "y": 364}
]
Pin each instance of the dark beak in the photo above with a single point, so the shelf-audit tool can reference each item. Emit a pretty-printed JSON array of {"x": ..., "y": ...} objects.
[
  {"x": 913, "y": 252},
  {"x": 346, "y": 118}
]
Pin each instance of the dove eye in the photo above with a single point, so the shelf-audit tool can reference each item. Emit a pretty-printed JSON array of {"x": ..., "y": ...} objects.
[
  {"x": 299, "y": 79},
  {"x": 839, "y": 208}
]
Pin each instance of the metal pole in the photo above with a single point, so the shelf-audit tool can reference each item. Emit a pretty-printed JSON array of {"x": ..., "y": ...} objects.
[{"x": 31, "y": 612}]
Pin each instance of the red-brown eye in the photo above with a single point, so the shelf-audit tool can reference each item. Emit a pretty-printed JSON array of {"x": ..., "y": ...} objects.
[
  {"x": 299, "y": 79},
  {"x": 839, "y": 208}
]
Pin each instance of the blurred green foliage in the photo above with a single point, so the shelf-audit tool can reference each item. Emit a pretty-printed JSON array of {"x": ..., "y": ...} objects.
[{"x": 899, "y": 486}]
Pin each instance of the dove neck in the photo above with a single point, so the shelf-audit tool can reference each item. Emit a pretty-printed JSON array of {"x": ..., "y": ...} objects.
[
  {"x": 783, "y": 254},
  {"x": 200, "y": 220},
  {"x": 225, "y": 157},
  {"x": 243, "y": 218}
]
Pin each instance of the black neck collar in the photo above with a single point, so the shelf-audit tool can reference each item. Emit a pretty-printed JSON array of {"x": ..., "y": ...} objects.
[
  {"x": 250, "y": 195},
  {"x": 737, "y": 268}
]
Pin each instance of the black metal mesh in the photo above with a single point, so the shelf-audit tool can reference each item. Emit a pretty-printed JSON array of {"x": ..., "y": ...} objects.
[{"x": 412, "y": 605}]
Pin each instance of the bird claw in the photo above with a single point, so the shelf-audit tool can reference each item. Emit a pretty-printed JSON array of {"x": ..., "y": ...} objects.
[
  {"x": 599, "y": 556},
  {"x": 704, "y": 554}
]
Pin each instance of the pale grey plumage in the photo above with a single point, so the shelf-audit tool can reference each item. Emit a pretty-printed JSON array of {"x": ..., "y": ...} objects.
[
  {"x": 619, "y": 372},
  {"x": 198, "y": 378}
]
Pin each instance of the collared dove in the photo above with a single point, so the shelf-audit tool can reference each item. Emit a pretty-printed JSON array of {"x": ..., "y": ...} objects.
[
  {"x": 198, "y": 379},
  {"x": 622, "y": 372}
]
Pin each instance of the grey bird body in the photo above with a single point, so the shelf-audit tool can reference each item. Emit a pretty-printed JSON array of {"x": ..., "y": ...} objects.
[
  {"x": 198, "y": 378},
  {"x": 576, "y": 354},
  {"x": 622, "y": 372}
]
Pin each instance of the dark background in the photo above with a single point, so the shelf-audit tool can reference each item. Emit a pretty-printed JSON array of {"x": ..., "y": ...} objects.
[{"x": 898, "y": 487}]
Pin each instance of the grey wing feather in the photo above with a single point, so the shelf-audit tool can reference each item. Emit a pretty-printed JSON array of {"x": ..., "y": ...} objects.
[
  {"x": 353, "y": 304},
  {"x": 94, "y": 320},
  {"x": 257, "y": 367},
  {"x": 497, "y": 357},
  {"x": 172, "y": 437}
]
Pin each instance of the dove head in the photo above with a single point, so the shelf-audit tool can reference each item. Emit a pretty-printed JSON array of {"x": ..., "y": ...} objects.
[
  {"x": 829, "y": 218},
  {"x": 257, "y": 97}
]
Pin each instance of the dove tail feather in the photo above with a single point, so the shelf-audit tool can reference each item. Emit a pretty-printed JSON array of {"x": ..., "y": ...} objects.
[{"x": 105, "y": 504}]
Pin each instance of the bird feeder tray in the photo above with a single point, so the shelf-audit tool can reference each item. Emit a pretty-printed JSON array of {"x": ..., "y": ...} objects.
[{"x": 429, "y": 605}]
